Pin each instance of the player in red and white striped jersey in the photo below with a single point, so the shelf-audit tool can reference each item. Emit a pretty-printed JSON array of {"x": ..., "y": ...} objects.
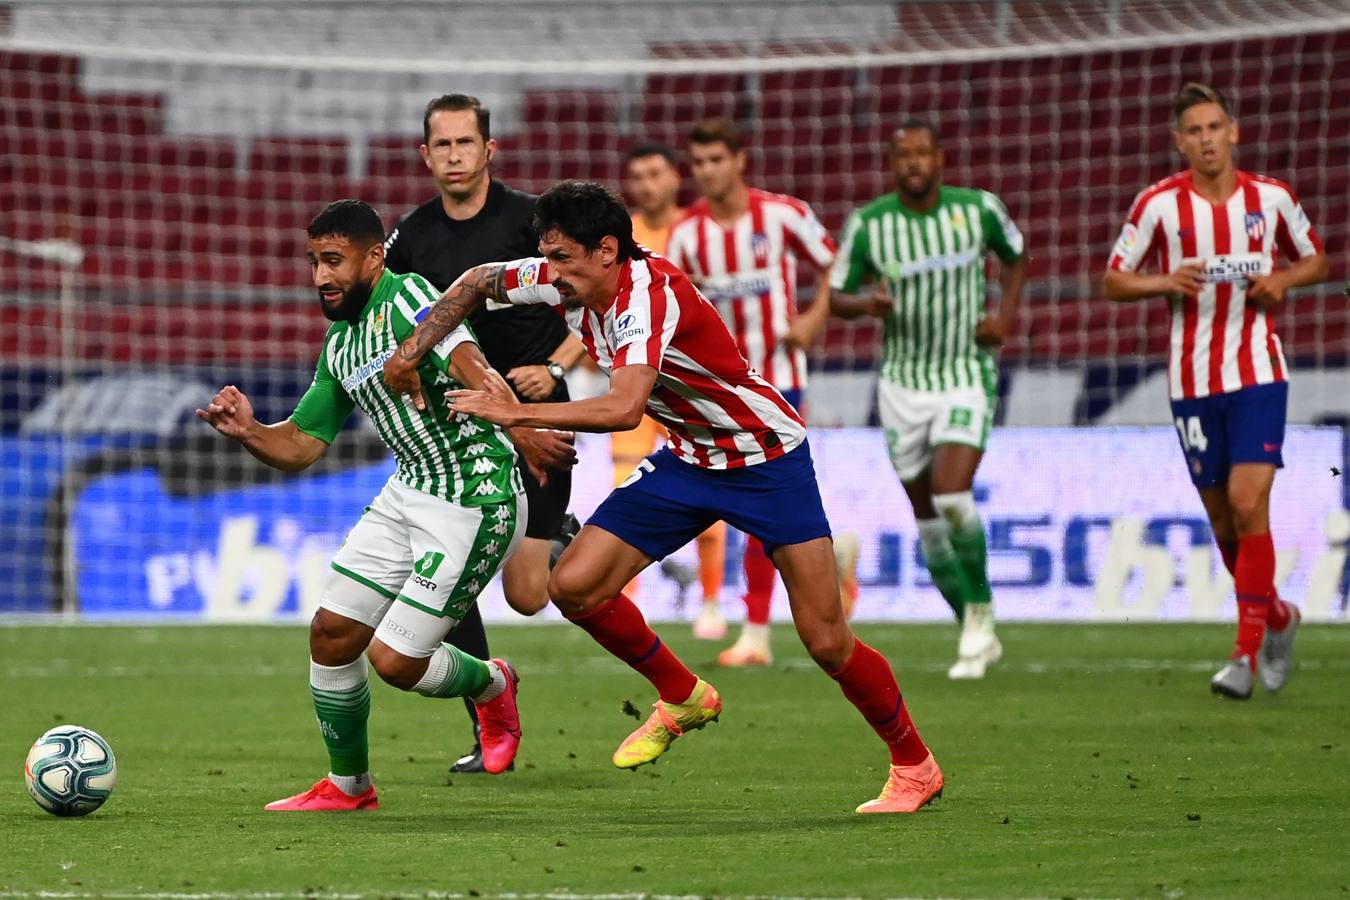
[
  {"x": 738, "y": 452},
  {"x": 741, "y": 246},
  {"x": 1215, "y": 234}
]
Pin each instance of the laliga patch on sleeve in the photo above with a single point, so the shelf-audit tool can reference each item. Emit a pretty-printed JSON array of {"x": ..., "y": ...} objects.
[
  {"x": 1129, "y": 235},
  {"x": 528, "y": 274},
  {"x": 630, "y": 327}
]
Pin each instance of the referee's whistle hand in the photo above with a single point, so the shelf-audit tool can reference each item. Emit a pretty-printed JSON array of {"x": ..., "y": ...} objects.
[{"x": 533, "y": 382}]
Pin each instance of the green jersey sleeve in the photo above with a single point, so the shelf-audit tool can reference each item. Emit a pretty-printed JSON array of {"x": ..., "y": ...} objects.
[
  {"x": 325, "y": 408},
  {"x": 1001, "y": 234},
  {"x": 411, "y": 302},
  {"x": 853, "y": 264}
]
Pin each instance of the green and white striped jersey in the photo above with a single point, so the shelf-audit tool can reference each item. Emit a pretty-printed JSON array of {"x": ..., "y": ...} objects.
[
  {"x": 933, "y": 267},
  {"x": 455, "y": 457}
]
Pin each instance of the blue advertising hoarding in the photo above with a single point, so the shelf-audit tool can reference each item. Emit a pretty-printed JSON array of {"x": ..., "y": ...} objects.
[{"x": 1098, "y": 524}]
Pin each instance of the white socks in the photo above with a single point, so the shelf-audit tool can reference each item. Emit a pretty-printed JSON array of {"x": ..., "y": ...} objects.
[
  {"x": 935, "y": 537},
  {"x": 754, "y": 635},
  {"x": 958, "y": 510},
  {"x": 440, "y": 669},
  {"x": 496, "y": 687},
  {"x": 338, "y": 678},
  {"x": 351, "y": 785}
]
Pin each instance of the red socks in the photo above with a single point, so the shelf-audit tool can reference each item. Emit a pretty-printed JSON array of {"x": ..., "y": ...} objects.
[
  {"x": 618, "y": 626},
  {"x": 759, "y": 582},
  {"x": 869, "y": 684},
  {"x": 1258, "y": 604}
]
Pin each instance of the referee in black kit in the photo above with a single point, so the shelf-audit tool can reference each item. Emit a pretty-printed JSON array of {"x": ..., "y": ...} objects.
[{"x": 475, "y": 219}]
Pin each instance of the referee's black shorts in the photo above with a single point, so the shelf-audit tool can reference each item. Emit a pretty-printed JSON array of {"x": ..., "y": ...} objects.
[{"x": 548, "y": 502}]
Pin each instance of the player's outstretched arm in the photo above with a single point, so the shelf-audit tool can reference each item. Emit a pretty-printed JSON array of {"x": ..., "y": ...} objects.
[
  {"x": 620, "y": 409},
  {"x": 282, "y": 446},
  {"x": 467, "y": 294},
  {"x": 543, "y": 450}
]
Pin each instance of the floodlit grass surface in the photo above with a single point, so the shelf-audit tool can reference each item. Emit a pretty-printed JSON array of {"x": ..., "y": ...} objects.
[{"x": 1092, "y": 763}]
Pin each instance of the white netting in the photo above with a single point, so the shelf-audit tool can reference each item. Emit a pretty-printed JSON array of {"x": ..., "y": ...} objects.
[{"x": 182, "y": 147}]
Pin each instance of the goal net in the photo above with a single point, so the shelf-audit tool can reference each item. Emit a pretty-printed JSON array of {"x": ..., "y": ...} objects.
[{"x": 159, "y": 161}]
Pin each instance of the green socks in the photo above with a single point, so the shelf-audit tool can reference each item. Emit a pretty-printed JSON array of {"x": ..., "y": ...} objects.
[
  {"x": 342, "y": 706},
  {"x": 966, "y": 533},
  {"x": 943, "y": 565},
  {"x": 973, "y": 554},
  {"x": 342, "y": 700},
  {"x": 453, "y": 673}
]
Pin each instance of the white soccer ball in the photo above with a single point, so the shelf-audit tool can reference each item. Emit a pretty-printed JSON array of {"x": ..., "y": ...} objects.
[{"x": 70, "y": 771}]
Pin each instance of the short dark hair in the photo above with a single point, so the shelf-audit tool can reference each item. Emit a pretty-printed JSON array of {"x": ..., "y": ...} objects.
[
  {"x": 352, "y": 219},
  {"x": 914, "y": 123},
  {"x": 1194, "y": 93},
  {"x": 717, "y": 131},
  {"x": 457, "y": 103},
  {"x": 587, "y": 213},
  {"x": 642, "y": 151}
]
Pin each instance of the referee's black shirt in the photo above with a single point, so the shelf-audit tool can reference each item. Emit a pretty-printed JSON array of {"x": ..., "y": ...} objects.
[{"x": 440, "y": 249}]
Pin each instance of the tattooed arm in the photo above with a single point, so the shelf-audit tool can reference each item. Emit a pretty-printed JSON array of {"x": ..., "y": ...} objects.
[{"x": 467, "y": 294}]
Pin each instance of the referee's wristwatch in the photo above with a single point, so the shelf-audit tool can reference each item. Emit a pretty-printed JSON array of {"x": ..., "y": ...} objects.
[{"x": 556, "y": 370}]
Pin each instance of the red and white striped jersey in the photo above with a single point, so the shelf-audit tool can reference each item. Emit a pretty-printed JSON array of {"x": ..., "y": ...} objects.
[
  {"x": 750, "y": 272},
  {"x": 720, "y": 413},
  {"x": 1219, "y": 343}
]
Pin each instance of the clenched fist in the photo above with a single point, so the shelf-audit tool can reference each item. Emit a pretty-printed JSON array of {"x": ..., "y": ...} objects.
[{"x": 229, "y": 412}]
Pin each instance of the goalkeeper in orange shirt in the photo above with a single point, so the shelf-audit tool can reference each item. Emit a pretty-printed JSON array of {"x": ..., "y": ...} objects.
[{"x": 652, "y": 182}]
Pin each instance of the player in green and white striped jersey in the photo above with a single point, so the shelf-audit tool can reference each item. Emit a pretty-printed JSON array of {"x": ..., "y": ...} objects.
[
  {"x": 924, "y": 247},
  {"x": 432, "y": 539}
]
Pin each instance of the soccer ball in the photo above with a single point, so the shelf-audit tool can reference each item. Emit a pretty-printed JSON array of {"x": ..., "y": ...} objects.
[{"x": 70, "y": 771}]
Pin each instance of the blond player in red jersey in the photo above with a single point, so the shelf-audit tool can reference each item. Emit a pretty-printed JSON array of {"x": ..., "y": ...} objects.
[
  {"x": 741, "y": 246},
  {"x": 1214, "y": 234},
  {"x": 652, "y": 182}
]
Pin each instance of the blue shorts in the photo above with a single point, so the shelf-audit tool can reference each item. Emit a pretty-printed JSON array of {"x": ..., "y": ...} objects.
[
  {"x": 666, "y": 503},
  {"x": 793, "y": 396},
  {"x": 1222, "y": 430}
]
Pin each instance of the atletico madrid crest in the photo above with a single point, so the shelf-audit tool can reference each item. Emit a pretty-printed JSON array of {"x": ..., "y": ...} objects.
[
  {"x": 759, "y": 246},
  {"x": 1256, "y": 227}
]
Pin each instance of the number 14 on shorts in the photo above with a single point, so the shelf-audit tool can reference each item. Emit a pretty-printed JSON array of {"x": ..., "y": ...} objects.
[{"x": 1192, "y": 434}]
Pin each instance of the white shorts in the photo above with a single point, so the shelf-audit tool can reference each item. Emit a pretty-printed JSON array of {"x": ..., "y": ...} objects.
[
  {"x": 432, "y": 556},
  {"x": 917, "y": 421}
]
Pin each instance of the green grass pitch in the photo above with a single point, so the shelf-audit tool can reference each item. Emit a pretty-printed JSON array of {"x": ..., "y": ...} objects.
[{"x": 1093, "y": 763}]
